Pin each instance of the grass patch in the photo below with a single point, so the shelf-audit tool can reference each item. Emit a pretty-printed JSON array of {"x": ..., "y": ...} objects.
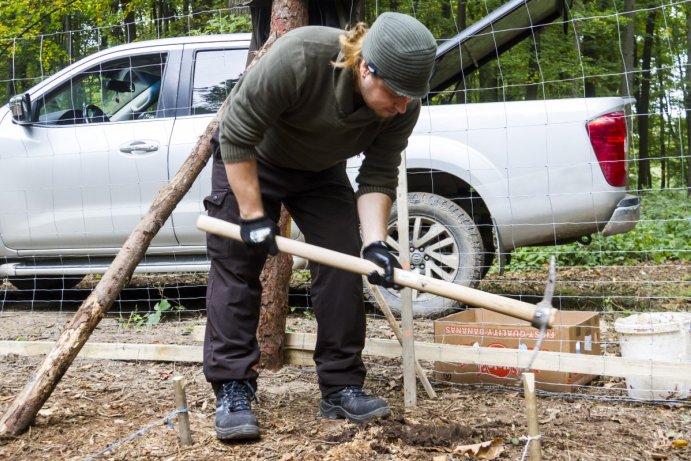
[{"x": 661, "y": 236}]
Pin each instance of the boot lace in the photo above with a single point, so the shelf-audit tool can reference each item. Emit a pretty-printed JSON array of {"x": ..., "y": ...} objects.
[
  {"x": 237, "y": 395},
  {"x": 355, "y": 392}
]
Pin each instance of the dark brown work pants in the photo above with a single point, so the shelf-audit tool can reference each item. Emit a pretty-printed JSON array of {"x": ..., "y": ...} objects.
[{"x": 323, "y": 206}]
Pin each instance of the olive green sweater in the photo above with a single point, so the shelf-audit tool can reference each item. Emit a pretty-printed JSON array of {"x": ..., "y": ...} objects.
[{"x": 293, "y": 109}]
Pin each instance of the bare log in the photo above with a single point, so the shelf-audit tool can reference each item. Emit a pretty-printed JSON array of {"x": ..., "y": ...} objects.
[{"x": 275, "y": 278}]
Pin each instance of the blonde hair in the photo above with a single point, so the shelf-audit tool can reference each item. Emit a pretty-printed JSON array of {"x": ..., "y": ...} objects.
[{"x": 351, "y": 46}]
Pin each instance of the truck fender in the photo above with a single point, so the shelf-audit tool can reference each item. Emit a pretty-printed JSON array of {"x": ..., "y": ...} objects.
[{"x": 467, "y": 164}]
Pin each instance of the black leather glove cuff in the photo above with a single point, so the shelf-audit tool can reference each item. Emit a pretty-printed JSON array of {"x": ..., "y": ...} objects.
[
  {"x": 375, "y": 246},
  {"x": 378, "y": 252}
]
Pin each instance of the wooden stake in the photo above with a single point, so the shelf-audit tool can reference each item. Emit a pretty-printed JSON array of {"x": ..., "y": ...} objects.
[
  {"x": 406, "y": 294},
  {"x": 531, "y": 413},
  {"x": 183, "y": 415},
  {"x": 384, "y": 306}
]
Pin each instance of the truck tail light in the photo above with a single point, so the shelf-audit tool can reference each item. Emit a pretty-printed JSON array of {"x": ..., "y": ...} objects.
[{"x": 608, "y": 138}]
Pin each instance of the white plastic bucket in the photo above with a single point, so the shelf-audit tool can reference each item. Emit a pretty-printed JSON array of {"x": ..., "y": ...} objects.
[{"x": 662, "y": 336}]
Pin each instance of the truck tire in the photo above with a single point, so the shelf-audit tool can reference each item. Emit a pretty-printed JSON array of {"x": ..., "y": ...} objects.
[
  {"x": 45, "y": 282},
  {"x": 445, "y": 244}
]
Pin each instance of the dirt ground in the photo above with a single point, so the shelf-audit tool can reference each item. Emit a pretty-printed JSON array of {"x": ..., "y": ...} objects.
[{"x": 124, "y": 410}]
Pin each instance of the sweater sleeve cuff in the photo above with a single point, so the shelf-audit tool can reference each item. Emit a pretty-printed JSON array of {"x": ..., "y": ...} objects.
[
  {"x": 233, "y": 153},
  {"x": 381, "y": 189}
]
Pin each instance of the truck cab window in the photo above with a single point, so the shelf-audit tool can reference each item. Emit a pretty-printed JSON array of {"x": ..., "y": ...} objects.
[
  {"x": 215, "y": 74},
  {"x": 114, "y": 91}
]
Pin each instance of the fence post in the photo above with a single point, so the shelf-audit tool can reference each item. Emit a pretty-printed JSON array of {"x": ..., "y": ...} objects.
[{"x": 408, "y": 340}]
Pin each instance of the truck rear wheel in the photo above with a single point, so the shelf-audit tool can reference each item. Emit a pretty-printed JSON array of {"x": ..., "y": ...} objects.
[{"x": 445, "y": 244}]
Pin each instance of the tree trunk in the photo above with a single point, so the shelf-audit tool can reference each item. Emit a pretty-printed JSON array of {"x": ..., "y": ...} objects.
[
  {"x": 643, "y": 106},
  {"x": 663, "y": 132},
  {"x": 156, "y": 18},
  {"x": 588, "y": 50},
  {"x": 461, "y": 15},
  {"x": 21, "y": 413},
  {"x": 687, "y": 100},
  {"x": 349, "y": 13},
  {"x": 287, "y": 15},
  {"x": 488, "y": 85},
  {"x": 275, "y": 278},
  {"x": 66, "y": 28},
  {"x": 628, "y": 45},
  {"x": 130, "y": 25},
  {"x": 673, "y": 140},
  {"x": 445, "y": 10},
  {"x": 531, "y": 90},
  {"x": 461, "y": 94}
]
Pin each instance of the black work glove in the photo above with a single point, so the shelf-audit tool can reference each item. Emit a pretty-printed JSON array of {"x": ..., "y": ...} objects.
[
  {"x": 379, "y": 254},
  {"x": 260, "y": 233}
]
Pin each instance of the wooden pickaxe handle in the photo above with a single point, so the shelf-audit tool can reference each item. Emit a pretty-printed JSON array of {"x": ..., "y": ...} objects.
[{"x": 467, "y": 295}]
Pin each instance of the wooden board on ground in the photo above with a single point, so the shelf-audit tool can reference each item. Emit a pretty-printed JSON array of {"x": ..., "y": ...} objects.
[{"x": 300, "y": 346}]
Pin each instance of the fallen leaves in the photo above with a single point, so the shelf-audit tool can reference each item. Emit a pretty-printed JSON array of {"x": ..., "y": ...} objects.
[
  {"x": 483, "y": 450},
  {"x": 680, "y": 443}
]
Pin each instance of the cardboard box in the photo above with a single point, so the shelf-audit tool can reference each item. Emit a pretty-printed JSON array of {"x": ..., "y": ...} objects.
[{"x": 574, "y": 332}]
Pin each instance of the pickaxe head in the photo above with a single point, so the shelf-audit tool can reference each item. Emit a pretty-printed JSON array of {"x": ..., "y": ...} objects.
[{"x": 544, "y": 309}]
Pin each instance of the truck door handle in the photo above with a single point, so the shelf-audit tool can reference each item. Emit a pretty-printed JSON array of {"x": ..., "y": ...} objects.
[{"x": 139, "y": 147}]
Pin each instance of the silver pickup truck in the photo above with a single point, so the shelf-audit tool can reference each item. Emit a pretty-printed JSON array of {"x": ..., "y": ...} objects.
[{"x": 85, "y": 152}]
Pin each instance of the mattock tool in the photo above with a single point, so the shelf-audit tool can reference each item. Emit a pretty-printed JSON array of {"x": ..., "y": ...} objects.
[
  {"x": 541, "y": 316},
  {"x": 543, "y": 309}
]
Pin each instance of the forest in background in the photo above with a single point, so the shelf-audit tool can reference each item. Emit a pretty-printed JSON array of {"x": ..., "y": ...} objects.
[{"x": 636, "y": 48}]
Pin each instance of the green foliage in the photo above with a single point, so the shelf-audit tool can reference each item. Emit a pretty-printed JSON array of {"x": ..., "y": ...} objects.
[
  {"x": 137, "y": 320},
  {"x": 224, "y": 24},
  {"x": 154, "y": 318},
  {"x": 39, "y": 38},
  {"x": 662, "y": 235},
  {"x": 307, "y": 314}
]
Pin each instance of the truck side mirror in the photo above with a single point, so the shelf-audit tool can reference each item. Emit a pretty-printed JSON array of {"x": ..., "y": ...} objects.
[{"x": 20, "y": 105}]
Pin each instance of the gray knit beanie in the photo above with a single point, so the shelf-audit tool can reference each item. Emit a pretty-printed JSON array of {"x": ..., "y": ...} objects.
[{"x": 401, "y": 51}]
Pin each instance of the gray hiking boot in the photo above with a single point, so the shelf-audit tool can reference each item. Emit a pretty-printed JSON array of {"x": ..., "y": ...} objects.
[
  {"x": 234, "y": 417},
  {"x": 353, "y": 404}
]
